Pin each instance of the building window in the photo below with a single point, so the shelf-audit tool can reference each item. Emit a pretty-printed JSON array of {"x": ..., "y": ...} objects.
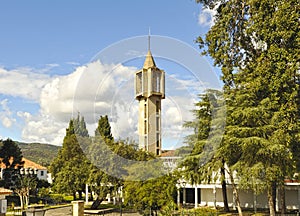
[
  {"x": 157, "y": 123},
  {"x": 146, "y": 143},
  {"x": 158, "y": 82},
  {"x": 157, "y": 140},
  {"x": 42, "y": 172},
  {"x": 157, "y": 151},
  {"x": 157, "y": 106},
  {"x": 145, "y": 127},
  {"x": 139, "y": 83},
  {"x": 145, "y": 110}
]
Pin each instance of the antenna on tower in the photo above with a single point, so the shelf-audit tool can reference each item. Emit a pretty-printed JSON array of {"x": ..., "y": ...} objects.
[{"x": 149, "y": 39}]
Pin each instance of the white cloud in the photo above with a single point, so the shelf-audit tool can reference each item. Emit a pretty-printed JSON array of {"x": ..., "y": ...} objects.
[
  {"x": 93, "y": 90},
  {"x": 206, "y": 16},
  {"x": 43, "y": 128},
  {"x": 73, "y": 63},
  {"x": 6, "y": 115},
  {"x": 22, "y": 82},
  {"x": 90, "y": 90}
]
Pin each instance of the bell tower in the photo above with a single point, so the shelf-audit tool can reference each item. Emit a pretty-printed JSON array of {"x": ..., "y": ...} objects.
[{"x": 149, "y": 91}]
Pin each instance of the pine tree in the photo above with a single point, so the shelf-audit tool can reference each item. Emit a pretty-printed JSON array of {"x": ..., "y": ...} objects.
[
  {"x": 80, "y": 126},
  {"x": 208, "y": 125},
  {"x": 104, "y": 129},
  {"x": 71, "y": 167}
]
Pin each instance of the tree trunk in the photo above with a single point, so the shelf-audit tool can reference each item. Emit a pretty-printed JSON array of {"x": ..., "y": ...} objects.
[
  {"x": 21, "y": 201},
  {"x": 80, "y": 195},
  {"x": 26, "y": 200},
  {"x": 274, "y": 188},
  {"x": 224, "y": 189},
  {"x": 235, "y": 194},
  {"x": 282, "y": 200},
  {"x": 74, "y": 195},
  {"x": 91, "y": 196},
  {"x": 96, "y": 203},
  {"x": 270, "y": 201}
]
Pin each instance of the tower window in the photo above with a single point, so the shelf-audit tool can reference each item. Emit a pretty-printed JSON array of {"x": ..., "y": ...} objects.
[
  {"x": 145, "y": 127},
  {"x": 157, "y": 140},
  {"x": 139, "y": 83},
  {"x": 157, "y": 123},
  {"x": 157, "y": 106},
  {"x": 158, "y": 82},
  {"x": 157, "y": 151},
  {"x": 145, "y": 143}
]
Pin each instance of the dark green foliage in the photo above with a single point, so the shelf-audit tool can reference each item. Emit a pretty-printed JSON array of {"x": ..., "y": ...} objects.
[
  {"x": 70, "y": 168},
  {"x": 256, "y": 44},
  {"x": 80, "y": 126},
  {"x": 150, "y": 194},
  {"x": 110, "y": 166},
  {"x": 104, "y": 129},
  {"x": 11, "y": 154},
  {"x": 204, "y": 142}
]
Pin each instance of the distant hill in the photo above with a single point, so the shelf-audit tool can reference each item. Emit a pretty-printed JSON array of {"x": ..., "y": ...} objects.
[{"x": 39, "y": 153}]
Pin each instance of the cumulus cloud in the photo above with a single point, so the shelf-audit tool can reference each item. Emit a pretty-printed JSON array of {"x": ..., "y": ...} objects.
[
  {"x": 207, "y": 17},
  {"x": 6, "y": 115},
  {"x": 22, "y": 82},
  {"x": 42, "y": 128},
  {"x": 93, "y": 90}
]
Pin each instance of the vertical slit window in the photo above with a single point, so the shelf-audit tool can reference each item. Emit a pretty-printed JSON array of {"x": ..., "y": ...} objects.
[{"x": 157, "y": 106}]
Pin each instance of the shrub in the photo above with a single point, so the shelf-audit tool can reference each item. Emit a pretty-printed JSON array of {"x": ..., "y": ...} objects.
[
  {"x": 57, "y": 198},
  {"x": 205, "y": 211}
]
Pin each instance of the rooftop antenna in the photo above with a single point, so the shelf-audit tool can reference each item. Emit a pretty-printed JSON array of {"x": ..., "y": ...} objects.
[{"x": 149, "y": 39}]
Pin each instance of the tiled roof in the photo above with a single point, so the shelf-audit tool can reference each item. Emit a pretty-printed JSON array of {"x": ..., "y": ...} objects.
[
  {"x": 4, "y": 191},
  {"x": 29, "y": 164},
  {"x": 168, "y": 153}
]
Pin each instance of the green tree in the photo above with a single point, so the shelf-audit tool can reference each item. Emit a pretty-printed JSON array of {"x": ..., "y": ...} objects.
[
  {"x": 70, "y": 168},
  {"x": 152, "y": 194},
  {"x": 80, "y": 126},
  {"x": 208, "y": 123},
  {"x": 104, "y": 129},
  {"x": 23, "y": 185},
  {"x": 256, "y": 44},
  {"x": 110, "y": 166},
  {"x": 10, "y": 154}
]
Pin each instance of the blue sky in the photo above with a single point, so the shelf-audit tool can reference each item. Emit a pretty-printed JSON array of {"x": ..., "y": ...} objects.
[{"x": 46, "y": 46}]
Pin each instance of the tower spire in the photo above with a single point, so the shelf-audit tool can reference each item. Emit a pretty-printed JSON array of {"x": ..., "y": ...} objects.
[
  {"x": 149, "y": 61},
  {"x": 149, "y": 33}
]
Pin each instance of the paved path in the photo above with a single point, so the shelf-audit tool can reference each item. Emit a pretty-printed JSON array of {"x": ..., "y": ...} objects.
[
  {"x": 63, "y": 211},
  {"x": 67, "y": 211},
  {"x": 118, "y": 214}
]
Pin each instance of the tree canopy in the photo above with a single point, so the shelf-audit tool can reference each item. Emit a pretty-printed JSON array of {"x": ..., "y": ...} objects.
[
  {"x": 256, "y": 45},
  {"x": 10, "y": 154},
  {"x": 70, "y": 168}
]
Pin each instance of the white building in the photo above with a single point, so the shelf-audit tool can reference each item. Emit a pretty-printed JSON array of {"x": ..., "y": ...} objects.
[
  {"x": 40, "y": 171},
  {"x": 211, "y": 194}
]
